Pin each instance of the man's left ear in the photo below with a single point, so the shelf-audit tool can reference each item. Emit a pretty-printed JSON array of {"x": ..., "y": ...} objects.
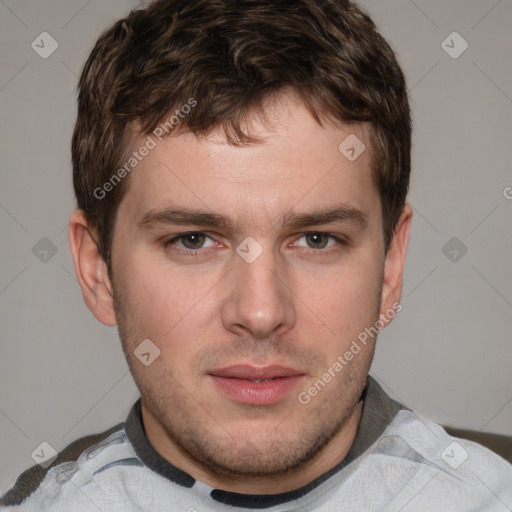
[{"x": 394, "y": 265}]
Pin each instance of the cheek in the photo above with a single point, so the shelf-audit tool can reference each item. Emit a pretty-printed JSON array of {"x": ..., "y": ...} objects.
[
  {"x": 346, "y": 302},
  {"x": 162, "y": 301}
]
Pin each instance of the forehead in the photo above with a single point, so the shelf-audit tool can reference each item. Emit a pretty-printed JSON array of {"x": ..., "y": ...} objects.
[{"x": 296, "y": 165}]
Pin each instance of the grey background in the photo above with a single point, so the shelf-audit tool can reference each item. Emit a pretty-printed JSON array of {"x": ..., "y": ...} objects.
[{"x": 447, "y": 354}]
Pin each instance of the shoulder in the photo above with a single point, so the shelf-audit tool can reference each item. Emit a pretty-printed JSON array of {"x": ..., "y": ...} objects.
[
  {"x": 430, "y": 467},
  {"x": 436, "y": 443},
  {"x": 31, "y": 479},
  {"x": 498, "y": 443}
]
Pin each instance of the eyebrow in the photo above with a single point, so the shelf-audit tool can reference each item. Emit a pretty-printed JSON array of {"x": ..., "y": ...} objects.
[{"x": 344, "y": 214}]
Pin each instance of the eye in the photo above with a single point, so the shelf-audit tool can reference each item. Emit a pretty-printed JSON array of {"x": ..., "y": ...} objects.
[
  {"x": 319, "y": 241},
  {"x": 189, "y": 243}
]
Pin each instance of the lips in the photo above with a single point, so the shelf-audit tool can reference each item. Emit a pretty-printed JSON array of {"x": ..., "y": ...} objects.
[
  {"x": 254, "y": 373},
  {"x": 256, "y": 385}
]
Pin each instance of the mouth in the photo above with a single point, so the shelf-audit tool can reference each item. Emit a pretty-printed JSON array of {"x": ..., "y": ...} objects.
[{"x": 258, "y": 386}]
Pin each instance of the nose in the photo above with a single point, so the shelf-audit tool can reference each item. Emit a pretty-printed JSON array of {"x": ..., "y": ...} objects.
[{"x": 259, "y": 298}]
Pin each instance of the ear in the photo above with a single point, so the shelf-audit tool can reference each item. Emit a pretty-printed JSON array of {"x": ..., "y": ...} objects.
[
  {"x": 394, "y": 266},
  {"x": 91, "y": 269}
]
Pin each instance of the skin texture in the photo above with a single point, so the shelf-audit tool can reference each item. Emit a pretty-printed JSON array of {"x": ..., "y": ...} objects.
[{"x": 300, "y": 304}]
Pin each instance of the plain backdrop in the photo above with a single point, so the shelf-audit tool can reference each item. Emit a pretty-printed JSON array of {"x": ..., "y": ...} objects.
[{"x": 448, "y": 352}]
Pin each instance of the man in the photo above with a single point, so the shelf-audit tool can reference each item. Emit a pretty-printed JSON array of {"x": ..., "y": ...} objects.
[{"x": 241, "y": 171}]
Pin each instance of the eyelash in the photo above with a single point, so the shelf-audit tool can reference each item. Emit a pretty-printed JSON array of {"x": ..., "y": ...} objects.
[{"x": 196, "y": 252}]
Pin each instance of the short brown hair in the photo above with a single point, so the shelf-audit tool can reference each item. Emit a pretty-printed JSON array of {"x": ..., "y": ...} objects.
[{"x": 230, "y": 55}]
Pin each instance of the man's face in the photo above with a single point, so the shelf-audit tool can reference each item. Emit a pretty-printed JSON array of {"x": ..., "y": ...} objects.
[{"x": 249, "y": 315}]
